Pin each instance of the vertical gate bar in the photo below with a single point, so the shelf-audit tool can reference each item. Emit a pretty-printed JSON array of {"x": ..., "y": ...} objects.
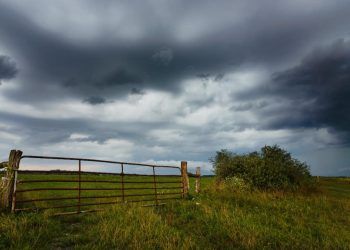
[
  {"x": 122, "y": 175},
  {"x": 13, "y": 208},
  {"x": 79, "y": 189},
  {"x": 155, "y": 185}
]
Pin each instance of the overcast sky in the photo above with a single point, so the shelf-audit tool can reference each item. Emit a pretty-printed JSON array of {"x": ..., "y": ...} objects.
[{"x": 177, "y": 80}]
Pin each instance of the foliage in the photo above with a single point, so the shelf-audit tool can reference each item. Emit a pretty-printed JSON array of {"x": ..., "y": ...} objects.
[
  {"x": 271, "y": 168},
  {"x": 237, "y": 184},
  {"x": 3, "y": 165},
  {"x": 191, "y": 174}
]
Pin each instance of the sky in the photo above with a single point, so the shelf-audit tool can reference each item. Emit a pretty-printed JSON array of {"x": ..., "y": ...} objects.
[{"x": 165, "y": 81}]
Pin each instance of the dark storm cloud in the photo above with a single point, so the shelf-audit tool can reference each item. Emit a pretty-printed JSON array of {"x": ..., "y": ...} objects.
[
  {"x": 315, "y": 93},
  {"x": 111, "y": 67},
  {"x": 120, "y": 77},
  {"x": 136, "y": 91},
  {"x": 91, "y": 68},
  {"x": 95, "y": 100},
  {"x": 163, "y": 56},
  {"x": 8, "y": 68}
]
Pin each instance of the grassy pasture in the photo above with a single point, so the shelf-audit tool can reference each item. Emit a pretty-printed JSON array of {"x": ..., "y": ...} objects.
[
  {"x": 218, "y": 218},
  {"x": 145, "y": 183}
]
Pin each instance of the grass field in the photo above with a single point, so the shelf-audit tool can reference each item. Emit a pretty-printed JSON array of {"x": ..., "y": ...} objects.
[
  {"x": 218, "y": 218},
  {"x": 137, "y": 188}
]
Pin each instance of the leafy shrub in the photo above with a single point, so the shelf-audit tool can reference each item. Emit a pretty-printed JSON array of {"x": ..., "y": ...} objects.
[
  {"x": 271, "y": 168},
  {"x": 3, "y": 165},
  {"x": 237, "y": 184}
]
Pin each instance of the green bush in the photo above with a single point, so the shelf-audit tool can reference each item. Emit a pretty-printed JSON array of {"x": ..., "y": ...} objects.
[
  {"x": 271, "y": 168},
  {"x": 3, "y": 165},
  {"x": 237, "y": 184}
]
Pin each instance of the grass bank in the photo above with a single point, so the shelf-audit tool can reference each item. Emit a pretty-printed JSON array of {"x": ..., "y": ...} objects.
[{"x": 216, "y": 219}]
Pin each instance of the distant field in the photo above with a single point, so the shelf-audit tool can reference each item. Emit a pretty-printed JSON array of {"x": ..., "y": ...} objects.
[
  {"x": 216, "y": 219},
  {"x": 338, "y": 187}
]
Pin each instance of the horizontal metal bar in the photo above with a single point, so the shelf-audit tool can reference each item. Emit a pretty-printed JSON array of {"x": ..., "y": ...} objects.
[
  {"x": 88, "y": 172},
  {"x": 94, "y": 160},
  {"x": 48, "y": 199},
  {"x": 93, "y": 181},
  {"x": 64, "y": 172},
  {"x": 68, "y": 206},
  {"x": 92, "y": 197},
  {"x": 66, "y": 189},
  {"x": 44, "y": 189},
  {"x": 168, "y": 182},
  {"x": 45, "y": 181}
]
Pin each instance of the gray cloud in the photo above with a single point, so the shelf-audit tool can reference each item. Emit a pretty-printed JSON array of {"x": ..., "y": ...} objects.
[
  {"x": 110, "y": 66},
  {"x": 120, "y": 77},
  {"x": 317, "y": 89},
  {"x": 163, "y": 56},
  {"x": 95, "y": 100},
  {"x": 8, "y": 68},
  {"x": 46, "y": 131},
  {"x": 136, "y": 91}
]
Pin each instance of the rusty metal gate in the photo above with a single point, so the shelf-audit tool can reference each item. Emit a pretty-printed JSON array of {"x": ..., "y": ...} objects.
[{"x": 70, "y": 192}]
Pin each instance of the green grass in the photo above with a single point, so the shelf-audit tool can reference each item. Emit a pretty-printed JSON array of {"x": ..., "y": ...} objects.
[
  {"x": 165, "y": 190},
  {"x": 218, "y": 218}
]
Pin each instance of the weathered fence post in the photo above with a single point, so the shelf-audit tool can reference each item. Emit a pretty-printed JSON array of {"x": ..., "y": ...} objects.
[
  {"x": 8, "y": 187},
  {"x": 3, "y": 193},
  {"x": 185, "y": 179},
  {"x": 198, "y": 180}
]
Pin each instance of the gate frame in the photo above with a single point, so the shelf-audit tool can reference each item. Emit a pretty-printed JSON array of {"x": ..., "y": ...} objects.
[{"x": 16, "y": 156}]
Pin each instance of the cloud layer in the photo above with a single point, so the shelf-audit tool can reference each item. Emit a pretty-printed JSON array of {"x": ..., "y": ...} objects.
[{"x": 171, "y": 81}]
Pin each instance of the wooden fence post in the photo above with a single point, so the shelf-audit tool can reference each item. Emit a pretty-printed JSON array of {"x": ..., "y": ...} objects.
[
  {"x": 198, "y": 180},
  {"x": 3, "y": 192},
  {"x": 185, "y": 179},
  {"x": 9, "y": 185}
]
